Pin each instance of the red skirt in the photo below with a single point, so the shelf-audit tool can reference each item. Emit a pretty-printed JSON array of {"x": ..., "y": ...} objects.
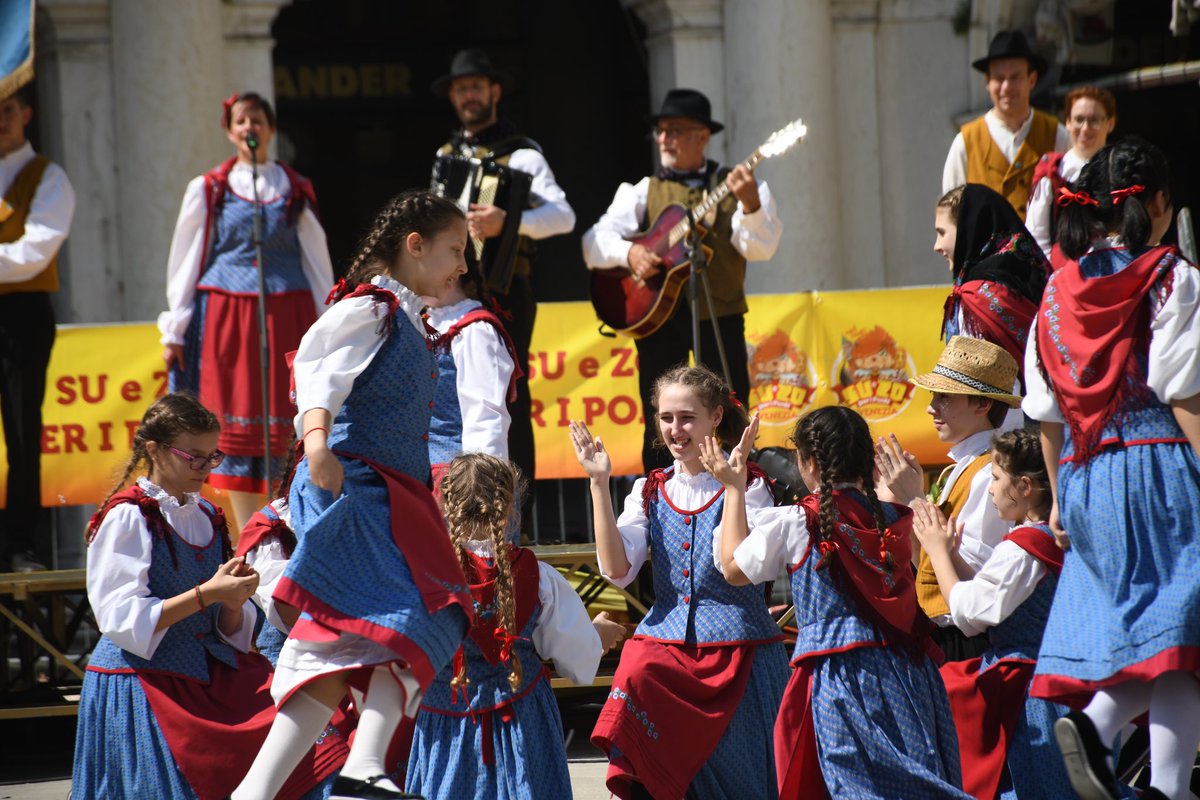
[{"x": 231, "y": 367}]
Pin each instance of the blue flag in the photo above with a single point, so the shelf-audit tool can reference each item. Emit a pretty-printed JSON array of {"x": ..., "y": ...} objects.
[{"x": 16, "y": 45}]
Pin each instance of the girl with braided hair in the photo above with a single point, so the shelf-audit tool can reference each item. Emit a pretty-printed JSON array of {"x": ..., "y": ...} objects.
[
  {"x": 489, "y": 725},
  {"x": 697, "y": 689},
  {"x": 173, "y": 703},
  {"x": 865, "y": 712},
  {"x": 1005, "y": 737},
  {"x": 382, "y": 597},
  {"x": 1113, "y": 368}
]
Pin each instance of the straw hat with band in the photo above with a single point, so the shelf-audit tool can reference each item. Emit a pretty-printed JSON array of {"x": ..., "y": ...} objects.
[{"x": 973, "y": 367}]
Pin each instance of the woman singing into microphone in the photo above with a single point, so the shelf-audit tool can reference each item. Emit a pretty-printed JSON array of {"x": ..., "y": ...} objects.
[{"x": 210, "y": 327}]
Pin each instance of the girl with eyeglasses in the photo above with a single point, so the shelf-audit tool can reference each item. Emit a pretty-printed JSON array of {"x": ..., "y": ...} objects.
[
  {"x": 173, "y": 704},
  {"x": 1091, "y": 115}
]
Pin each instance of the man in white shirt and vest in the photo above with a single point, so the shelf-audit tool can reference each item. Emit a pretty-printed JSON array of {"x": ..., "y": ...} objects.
[
  {"x": 35, "y": 217},
  {"x": 1001, "y": 148},
  {"x": 746, "y": 228}
]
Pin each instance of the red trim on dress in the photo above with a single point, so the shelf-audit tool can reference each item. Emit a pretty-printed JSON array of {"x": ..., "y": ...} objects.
[
  {"x": 1131, "y": 443},
  {"x": 681, "y": 643},
  {"x": 662, "y": 489},
  {"x": 234, "y": 483},
  {"x": 1076, "y": 692}
]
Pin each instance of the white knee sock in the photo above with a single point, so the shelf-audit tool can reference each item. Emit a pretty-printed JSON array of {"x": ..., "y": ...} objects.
[
  {"x": 297, "y": 725},
  {"x": 381, "y": 713},
  {"x": 1111, "y": 708},
  {"x": 1174, "y": 733}
]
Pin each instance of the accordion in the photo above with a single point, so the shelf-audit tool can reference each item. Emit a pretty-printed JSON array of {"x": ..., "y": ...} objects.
[{"x": 468, "y": 181}]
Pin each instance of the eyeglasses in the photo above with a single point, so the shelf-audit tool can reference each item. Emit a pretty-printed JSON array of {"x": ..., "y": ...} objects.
[
  {"x": 673, "y": 132},
  {"x": 1094, "y": 122},
  {"x": 199, "y": 463}
]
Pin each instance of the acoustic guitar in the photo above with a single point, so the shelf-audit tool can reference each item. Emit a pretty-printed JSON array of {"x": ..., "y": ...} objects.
[{"x": 638, "y": 308}]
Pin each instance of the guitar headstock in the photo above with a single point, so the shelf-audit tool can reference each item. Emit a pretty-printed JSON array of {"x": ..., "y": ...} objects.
[{"x": 783, "y": 139}]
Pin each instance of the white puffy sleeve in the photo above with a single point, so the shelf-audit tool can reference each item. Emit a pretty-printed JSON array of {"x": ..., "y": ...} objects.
[
  {"x": 954, "y": 172},
  {"x": 983, "y": 530},
  {"x": 563, "y": 633},
  {"x": 183, "y": 263},
  {"x": 604, "y": 243},
  {"x": 269, "y": 560},
  {"x": 634, "y": 528},
  {"x": 1038, "y": 214},
  {"x": 1007, "y": 579},
  {"x": 1174, "y": 371},
  {"x": 756, "y": 236},
  {"x": 335, "y": 351},
  {"x": 484, "y": 370},
  {"x": 314, "y": 257},
  {"x": 1039, "y": 402},
  {"x": 551, "y": 214},
  {"x": 758, "y": 495},
  {"x": 778, "y": 538},
  {"x": 46, "y": 228},
  {"x": 118, "y": 581}
]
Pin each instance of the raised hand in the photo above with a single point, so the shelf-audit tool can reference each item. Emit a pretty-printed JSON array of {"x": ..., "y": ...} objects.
[
  {"x": 729, "y": 471},
  {"x": 590, "y": 451},
  {"x": 933, "y": 530},
  {"x": 899, "y": 471}
]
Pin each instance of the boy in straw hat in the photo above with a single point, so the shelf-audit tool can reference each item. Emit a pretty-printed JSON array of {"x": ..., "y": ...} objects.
[{"x": 971, "y": 395}]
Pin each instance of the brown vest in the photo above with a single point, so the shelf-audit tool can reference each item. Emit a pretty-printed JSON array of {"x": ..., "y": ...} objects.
[
  {"x": 20, "y": 197},
  {"x": 928, "y": 593},
  {"x": 987, "y": 165},
  {"x": 727, "y": 267},
  {"x": 523, "y": 264}
]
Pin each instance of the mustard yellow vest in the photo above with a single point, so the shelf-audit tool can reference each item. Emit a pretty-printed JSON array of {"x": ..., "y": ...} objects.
[
  {"x": 523, "y": 264},
  {"x": 726, "y": 267},
  {"x": 928, "y": 593},
  {"x": 987, "y": 165},
  {"x": 19, "y": 198}
]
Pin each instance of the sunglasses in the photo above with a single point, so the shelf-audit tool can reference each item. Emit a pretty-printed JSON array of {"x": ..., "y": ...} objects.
[{"x": 199, "y": 463}]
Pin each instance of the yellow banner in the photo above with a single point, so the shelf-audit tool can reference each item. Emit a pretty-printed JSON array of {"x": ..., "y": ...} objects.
[{"x": 858, "y": 348}]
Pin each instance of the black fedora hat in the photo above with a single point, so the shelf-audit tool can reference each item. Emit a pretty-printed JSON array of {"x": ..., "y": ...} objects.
[
  {"x": 687, "y": 103},
  {"x": 1010, "y": 44},
  {"x": 472, "y": 62}
]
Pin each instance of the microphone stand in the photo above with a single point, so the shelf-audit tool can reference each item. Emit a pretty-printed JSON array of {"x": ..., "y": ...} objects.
[
  {"x": 698, "y": 277},
  {"x": 264, "y": 345}
]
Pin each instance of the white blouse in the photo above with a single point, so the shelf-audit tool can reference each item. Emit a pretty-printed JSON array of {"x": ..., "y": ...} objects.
[
  {"x": 756, "y": 236},
  {"x": 118, "y": 570},
  {"x": 1174, "y": 359},
  {"x": 983, "y": 529},
  {"x": 563, "y": 633},
  {"x": 778, "y": 538},
  {"x": 48, "y": 222},
  {"x": 686, "y": 492},
  {"x": 269, "y": 559},
  {"x": 954, "y": 172},
  {"x": 1038, "y": 214},
  {"x": 1005, "y": 582},
  {"x": 183, "y": 261},
  {"x": 341, "y": 344},
  {"x": 483, "y": 370}
]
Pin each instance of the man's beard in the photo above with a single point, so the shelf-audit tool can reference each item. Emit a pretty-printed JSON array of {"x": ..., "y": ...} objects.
[{"x": 476, "y": 115}]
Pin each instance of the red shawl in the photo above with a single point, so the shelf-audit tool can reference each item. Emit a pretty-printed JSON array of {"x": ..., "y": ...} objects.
[{"x": 1089, "y": 332}]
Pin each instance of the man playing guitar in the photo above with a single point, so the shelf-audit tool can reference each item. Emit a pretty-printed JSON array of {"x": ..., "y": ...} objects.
[{"x": 745, "y": 228}]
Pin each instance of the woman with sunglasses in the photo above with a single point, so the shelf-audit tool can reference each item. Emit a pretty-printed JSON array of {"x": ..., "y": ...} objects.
[{"x": 174, "y": 704}]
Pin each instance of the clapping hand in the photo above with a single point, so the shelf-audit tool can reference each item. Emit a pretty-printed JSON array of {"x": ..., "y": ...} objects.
[
  {"x": 590, "y": 451},
  {"x": 899, "y": 471},
  {"x": 933, "y": 530},
  {"x": 731, "y": 471}
]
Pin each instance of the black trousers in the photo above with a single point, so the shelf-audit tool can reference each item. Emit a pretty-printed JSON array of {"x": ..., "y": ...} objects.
[
  {"x": 26, "y": 338},
  {"x": 521, "y": 312},
  {"x": 670, "y": 346}
]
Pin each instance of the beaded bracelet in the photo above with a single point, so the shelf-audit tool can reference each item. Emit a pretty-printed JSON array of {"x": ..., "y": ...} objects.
[{"x": 200, "y": 598}]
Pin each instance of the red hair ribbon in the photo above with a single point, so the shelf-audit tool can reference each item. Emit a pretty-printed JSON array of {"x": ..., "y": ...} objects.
[
  {"x": 733, "y": 398},
  {"x": 1120, "y": 194},
  {"x": 506, "y": 643},
  {"x": 885, "y": 556},
  {"x": 1066, "y": 197},
  {"x": 827, "y": 549},
  {"x": 336, "y": 292},
  {"x": 227, "y": 105}
]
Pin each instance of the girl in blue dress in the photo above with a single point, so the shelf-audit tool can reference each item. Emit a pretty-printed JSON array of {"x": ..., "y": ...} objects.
[
  {"x": 489, "y": 725},
  {"x": 865, "y": 714},
  {"x": 698, "y": 686},
  {"x": 1005, "y": 737},
  {"x": 383, "y": 601},
  {"x": 173, "y": 704},
  {"x": 1113, "y": 375}
]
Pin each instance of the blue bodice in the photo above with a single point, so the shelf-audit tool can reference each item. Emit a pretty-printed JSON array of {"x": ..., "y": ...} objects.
[
  {"x": 1020, "y": 635},
  {"x": 231, "y": 258},
  {"x": 446, "y": 425},
  {"x": 385, "y": 418},
  {"x": 184, "y": 648},
  {"x": 693, "y": 603}
]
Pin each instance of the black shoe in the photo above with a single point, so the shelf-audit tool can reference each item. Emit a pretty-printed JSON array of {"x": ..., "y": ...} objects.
[
  {"x": 1154, "y": 794},
  {"x": 1085, "y": 757},
  {"x": 355, "y": 789},
  {"x": 26, "y": 561}
]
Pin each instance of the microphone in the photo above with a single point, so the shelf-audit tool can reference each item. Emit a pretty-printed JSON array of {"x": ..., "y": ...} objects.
[{"x": 252, "y": 141}]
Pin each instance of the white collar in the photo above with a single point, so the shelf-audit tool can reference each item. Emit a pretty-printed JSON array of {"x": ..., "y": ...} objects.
[
  {"x": 996, "y": 118},
  {"x": 974, "y": 445},
  {"x": 238, "y": 166},
  {"x": 165, "y": 500},
  {"x": 410, "y": 301},
  {"x": 440, "y": 314},
  {"x": 19, "y": 156},
  {"x": 702, "y": 480}
]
